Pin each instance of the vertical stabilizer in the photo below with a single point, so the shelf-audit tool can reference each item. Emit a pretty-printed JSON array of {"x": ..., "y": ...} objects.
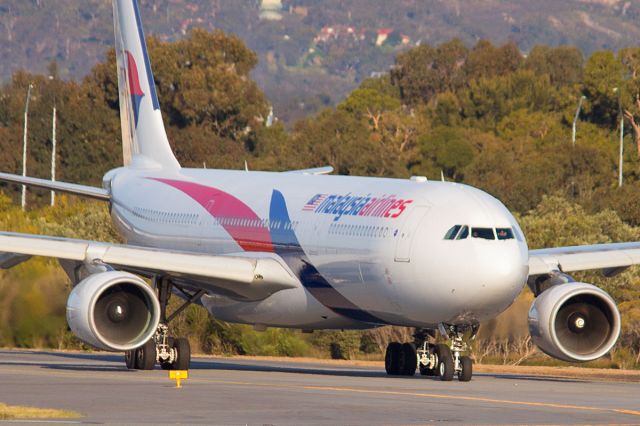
[{"x": 144, "y": 140}]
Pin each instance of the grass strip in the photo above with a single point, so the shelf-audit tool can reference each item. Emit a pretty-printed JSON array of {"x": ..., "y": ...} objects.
[{"x": 12, "y": 412}]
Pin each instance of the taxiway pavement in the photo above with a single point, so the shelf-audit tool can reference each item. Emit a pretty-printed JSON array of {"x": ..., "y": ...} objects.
[{"x": 239, "y": 392}]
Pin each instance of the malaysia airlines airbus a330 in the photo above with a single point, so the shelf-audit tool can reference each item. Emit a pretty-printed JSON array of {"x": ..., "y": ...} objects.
[{"x": 303, "y": 249}]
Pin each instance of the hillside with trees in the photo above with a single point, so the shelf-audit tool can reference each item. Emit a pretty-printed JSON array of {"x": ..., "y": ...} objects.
[
  {"x": 311, "y": 53},
  {"x": 484, "y": 115}
]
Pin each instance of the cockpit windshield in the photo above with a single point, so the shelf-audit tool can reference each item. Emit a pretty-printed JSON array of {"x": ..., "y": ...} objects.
[
  {"x": 504, "y": 233},
  {"x": 486, "y": 233},
  {"x": 460, "y": 232}
]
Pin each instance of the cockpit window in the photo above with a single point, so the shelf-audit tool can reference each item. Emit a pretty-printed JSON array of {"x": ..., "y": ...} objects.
[
  {"x": 486, "y": 233},
  {"x": 517, "y": 234},
  {"x": 464, "y": 233},
  {"x": 451, "y": 233},
  {"x": 504, "y": 233}
]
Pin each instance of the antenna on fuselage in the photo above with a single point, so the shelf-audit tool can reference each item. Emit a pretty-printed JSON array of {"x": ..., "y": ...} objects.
[{"x": 442, "y": 175}]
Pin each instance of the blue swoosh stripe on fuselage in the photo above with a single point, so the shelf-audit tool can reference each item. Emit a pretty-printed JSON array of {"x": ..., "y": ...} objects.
[{"x": 286, "y": 244}]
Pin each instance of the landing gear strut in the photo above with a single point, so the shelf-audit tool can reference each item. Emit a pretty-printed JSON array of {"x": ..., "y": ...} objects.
[
  {"x": 171, "y": 353},
  {"x": 441, "y": 360}
]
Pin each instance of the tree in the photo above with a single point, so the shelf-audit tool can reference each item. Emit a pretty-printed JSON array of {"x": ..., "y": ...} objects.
[
  {"x": 630, "y": 90},
  {"x": 369, "y": 103},
  {"x": 425, "y": 71},
  {"x": 602, "y": 74},
  {"x": 563, "y": 64},
  {"x": 487, "y": 60}
]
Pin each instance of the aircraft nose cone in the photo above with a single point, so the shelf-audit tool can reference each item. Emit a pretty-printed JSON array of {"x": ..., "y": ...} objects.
[{"x": 499, "y": 276}]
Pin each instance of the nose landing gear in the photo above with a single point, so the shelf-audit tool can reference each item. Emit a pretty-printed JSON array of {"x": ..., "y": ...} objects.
[
  {"x": 441, "y": 360},
  {"x": 171, "y": 353}
]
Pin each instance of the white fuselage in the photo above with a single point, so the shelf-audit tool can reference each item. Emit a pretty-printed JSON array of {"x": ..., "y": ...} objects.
[{"x": 367, "y": 251}]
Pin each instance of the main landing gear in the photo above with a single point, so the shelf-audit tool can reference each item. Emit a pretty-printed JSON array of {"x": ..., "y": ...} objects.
[
  {"x": 170, "y": 352},
  {"x": 440, "y": 360}
]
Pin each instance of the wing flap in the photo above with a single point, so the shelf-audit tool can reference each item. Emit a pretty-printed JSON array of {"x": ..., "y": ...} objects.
[
  {"x": 249, "y": 277},
  {"x": 581, "y": 258}
]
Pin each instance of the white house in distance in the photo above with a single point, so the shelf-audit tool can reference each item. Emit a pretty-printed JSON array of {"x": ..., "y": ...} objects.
[{"x": 270, "y": 10}]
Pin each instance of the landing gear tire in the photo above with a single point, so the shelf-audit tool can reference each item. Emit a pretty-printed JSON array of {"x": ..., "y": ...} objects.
[
  {"x": 408, "y": 359},
  {"x": 183, "y": 349},
  {"x": 445, "y": 362},
  {"x": 130, "y": 359},
  {"x": 165, "y": 365},
  {"x": 392, "y": 358},
  {"x": 145, "y": 356},
  {"x": 426, "y": 371},
  {"x": 466, "y": 369}
]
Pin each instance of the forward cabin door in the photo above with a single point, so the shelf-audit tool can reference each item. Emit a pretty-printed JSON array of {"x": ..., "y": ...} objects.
[{"x": 405, "y": 235}]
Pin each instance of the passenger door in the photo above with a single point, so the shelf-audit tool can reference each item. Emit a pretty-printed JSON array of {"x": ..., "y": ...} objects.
[{"x": 406, "y": 233}]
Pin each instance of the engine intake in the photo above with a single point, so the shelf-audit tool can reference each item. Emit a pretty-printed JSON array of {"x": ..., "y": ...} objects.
[
  {"x": 574, "y": 322},
  {"x": 115, "y": 311}
]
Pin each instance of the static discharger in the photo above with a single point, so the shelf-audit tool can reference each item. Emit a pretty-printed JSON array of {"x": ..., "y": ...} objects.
[{"x": 178, "y": 375}]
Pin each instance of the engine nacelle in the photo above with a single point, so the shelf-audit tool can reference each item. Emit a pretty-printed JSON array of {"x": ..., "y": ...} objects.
[
  {"x": 574, "y": 322},
  {"x": 114, "y": 311}
]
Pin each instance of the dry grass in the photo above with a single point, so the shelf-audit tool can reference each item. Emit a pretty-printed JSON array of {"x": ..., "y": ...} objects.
[{"x": 12, "y": 412}]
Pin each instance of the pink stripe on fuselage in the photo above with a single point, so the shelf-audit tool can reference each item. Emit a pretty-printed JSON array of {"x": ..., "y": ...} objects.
[{"x": 251, "y": 235}]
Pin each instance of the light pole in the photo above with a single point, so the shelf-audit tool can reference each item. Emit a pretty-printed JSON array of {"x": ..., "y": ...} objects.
[
  {"x": 24, "y": 147},
  {"x": 575, "y": 120},
  {"x": 621, "y": 137},
  {"x": 53, "y": 155}
]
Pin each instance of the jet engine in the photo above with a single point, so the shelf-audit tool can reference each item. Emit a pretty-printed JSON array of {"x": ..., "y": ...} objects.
[
  {"x": 114, "y": 310},
  {"x": 574, "y": 322}
]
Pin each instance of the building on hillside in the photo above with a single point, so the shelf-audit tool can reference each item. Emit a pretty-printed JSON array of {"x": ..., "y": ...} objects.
[
  {"x": 270, "y": 10},
  {"x": 383, "y": 34}
]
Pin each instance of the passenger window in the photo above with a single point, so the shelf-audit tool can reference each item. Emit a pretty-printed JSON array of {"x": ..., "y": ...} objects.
[
  {"x": 451, "y": 233},
  {"x": 485, "y": 233},
  {"x": 504, "y": 233},
  {"x": 464, "y": 233}
]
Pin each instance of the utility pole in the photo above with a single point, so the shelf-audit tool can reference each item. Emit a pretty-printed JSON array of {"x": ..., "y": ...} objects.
[
  {"x": 621, "y": 137},
  {"x": 575, "y": 120},
  {"x": 24, "y": 147},
  {"x": 53, "y": 155}
]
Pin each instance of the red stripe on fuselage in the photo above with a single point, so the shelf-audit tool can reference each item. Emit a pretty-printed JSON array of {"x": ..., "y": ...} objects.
[{"x": 251, "y": 234}]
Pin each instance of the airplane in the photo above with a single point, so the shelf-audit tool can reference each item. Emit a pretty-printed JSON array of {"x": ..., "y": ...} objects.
[{"x": 307, "y": 250}]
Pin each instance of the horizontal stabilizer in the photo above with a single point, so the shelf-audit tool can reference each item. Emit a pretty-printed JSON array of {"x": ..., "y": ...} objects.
[{"x": 71, "y": 188}]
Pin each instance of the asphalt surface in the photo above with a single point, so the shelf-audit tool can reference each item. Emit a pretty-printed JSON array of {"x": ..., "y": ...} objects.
[{"x": 239, "y": 392}]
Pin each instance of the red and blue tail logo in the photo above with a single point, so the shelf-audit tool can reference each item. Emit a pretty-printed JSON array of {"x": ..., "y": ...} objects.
[{"x": 134, "y": 86}]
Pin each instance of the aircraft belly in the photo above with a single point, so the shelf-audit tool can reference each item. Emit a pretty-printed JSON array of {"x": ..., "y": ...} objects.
[{"x": 294, "y": 308}]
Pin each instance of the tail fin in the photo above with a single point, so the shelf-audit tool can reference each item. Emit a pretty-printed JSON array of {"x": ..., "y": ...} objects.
[{"x": 144, "y": 139}]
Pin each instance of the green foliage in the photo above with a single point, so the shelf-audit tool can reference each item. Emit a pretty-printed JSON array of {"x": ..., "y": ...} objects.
[
  {"x": 485, "y": 116},
  {"x": 447, "y": 149},
  {"x": 339, "y": 344},
  {"x": 563, "y": 64},
  {"x": 602, "y": 74},
  {"x": 425, "y": 71}
]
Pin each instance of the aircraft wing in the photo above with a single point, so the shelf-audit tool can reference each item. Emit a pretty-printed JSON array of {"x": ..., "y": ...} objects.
[
  {"x": 611, "y": 258},
  {"x": 252, "y": 276}
]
